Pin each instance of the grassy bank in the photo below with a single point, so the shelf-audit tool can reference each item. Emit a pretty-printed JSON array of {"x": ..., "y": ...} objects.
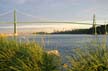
[
  {"x": 94, "y": 57},
  {"x": 25, "y": 56},
  {"x": 29, "y": 56}
]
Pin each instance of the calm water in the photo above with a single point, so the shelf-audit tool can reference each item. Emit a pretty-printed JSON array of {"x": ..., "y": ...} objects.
[{"x": 64, "y": 43}]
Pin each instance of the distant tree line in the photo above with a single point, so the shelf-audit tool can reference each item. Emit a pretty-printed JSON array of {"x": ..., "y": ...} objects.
[{"x": 99, "y": 29}]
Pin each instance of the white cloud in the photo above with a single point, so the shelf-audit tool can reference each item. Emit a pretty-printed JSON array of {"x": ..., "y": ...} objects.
[
  {"x": 19, "y": 1},
  {"x": 14, "y": 1}
]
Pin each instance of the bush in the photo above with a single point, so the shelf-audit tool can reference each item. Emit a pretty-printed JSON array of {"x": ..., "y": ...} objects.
[{"x": 25, "y": 56}]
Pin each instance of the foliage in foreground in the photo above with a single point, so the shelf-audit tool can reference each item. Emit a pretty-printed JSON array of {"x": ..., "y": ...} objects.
[
  {"x": 26, "y": 56},
  {"x": 90, "y": 59},
  {"x": 29, "y": 56}
]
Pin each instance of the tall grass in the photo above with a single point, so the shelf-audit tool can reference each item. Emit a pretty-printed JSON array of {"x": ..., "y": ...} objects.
[
  {"x": 29, "y": 56},
  {"x": 25, "y": 56},
  {"x": 93, "y": 58}
]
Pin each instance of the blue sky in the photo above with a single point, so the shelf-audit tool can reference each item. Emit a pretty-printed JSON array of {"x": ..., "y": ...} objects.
[{"x": 59, "y": 9}]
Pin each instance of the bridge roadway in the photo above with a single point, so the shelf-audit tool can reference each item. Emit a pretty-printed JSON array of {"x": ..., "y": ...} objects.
[{"x": 66, "y": 22}]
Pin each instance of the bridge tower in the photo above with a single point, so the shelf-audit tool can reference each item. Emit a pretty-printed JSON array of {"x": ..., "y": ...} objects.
[
  {"x": 15, "y": 30},
  {"x": 94, "y": 25},
  {"x": 105, "y": 28}
]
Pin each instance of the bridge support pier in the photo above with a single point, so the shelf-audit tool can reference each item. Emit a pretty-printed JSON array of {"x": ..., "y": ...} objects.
[
  {"x": 94, "y": 25},
  {"x": 15, "y": 30},
  {"x": 105, "y": 28}
]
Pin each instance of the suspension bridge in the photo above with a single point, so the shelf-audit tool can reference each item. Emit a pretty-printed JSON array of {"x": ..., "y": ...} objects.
[{"x": 15, "y": 22}]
